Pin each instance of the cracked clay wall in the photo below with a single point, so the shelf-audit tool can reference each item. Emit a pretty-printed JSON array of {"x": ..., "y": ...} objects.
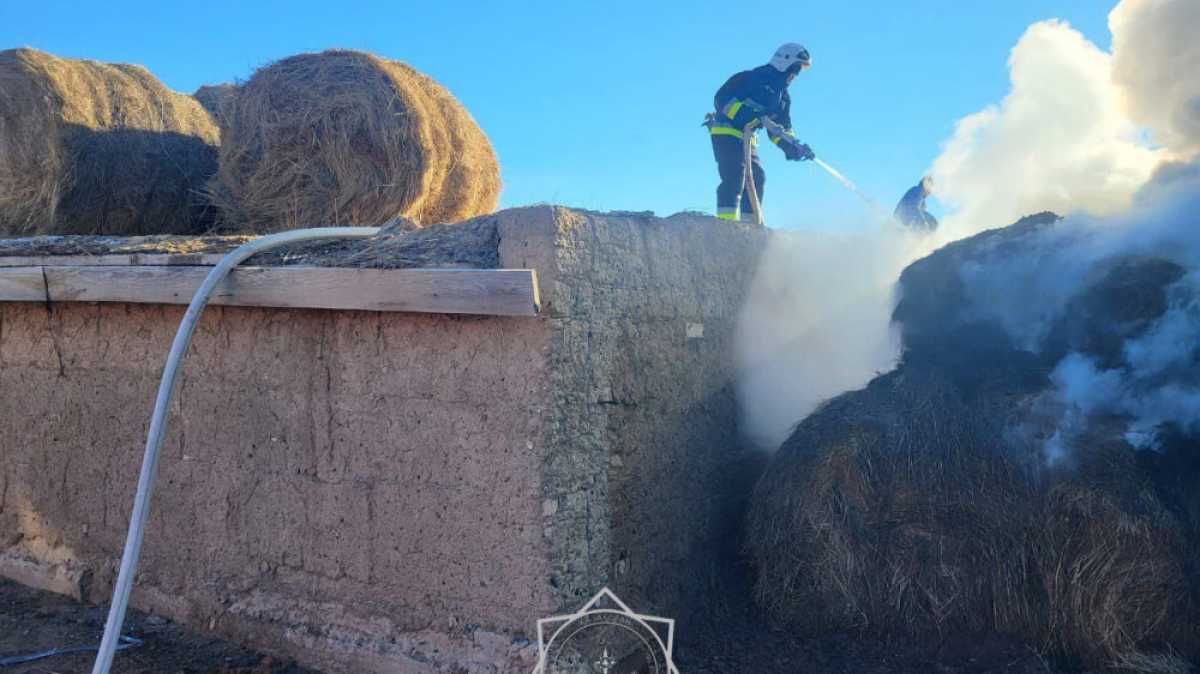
[
  {"x": 330, "y": 478},
  {"x": 382, "y": 492}
]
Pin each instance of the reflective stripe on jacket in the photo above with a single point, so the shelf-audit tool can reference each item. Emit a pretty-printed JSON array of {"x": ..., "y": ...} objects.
[{"x": 747, "y": 97}]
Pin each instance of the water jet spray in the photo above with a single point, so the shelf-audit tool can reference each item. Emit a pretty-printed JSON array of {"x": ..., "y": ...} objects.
[{"x": 849, "y": 185}]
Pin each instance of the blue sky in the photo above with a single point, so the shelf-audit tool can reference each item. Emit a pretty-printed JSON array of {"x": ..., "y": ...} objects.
[{"x": 598, "y": 104}]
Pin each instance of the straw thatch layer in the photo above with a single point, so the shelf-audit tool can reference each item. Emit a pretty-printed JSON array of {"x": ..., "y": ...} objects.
[
  {"x": 899, "y": 510},
  {"x": 347, "y": 138},
  {"x": 97, "y": 148}
]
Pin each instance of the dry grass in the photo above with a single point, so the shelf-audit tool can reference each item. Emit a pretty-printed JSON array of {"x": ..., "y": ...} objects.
[
  {"x": 896, "y": 510},
  {"x": 97, "y": 148},
  {"x": 1158, "y": 663},
  {"x": 347, "y": 138},
  {"x": 214, "y": 97},
  {"x": 883, "y": 512},
  {"x": 1112, "y": 565}
]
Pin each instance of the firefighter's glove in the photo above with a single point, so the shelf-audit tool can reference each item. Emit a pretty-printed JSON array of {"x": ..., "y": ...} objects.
[{"x": 798, "y": 152}]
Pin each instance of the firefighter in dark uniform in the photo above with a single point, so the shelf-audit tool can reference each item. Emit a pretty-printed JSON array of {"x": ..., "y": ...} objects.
[
  {"x": 748, "y": 101},
  {"x": 911, "y": 209}
]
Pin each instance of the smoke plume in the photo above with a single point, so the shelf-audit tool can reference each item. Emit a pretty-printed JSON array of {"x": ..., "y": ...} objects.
[
  {"x": 1155, "y": 59},
  {"x": 1150, "y": 378},
  {"x": 1081, "y": 133},
  {"x": 1059, "y": 141},
  {"x": 816, "y": 322}
]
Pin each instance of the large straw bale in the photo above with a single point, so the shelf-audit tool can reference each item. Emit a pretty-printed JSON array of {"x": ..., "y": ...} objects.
[
  {"x": 1114, "y": 564},
  {"x": 98, "y": 148},
  {"x": 883, "y": 511},
  {"x": 347, "y": 138},
  {"x": 927, "y": 507},
  {"x": 904, "y": 510}
]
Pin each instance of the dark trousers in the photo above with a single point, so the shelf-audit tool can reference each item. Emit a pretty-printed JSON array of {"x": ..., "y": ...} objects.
[{"x": 728, "y": 152}]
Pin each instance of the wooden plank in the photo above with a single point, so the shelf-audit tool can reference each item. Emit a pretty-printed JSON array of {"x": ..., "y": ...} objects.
[
  {"x": 495, "y": 292},
  {"x": 22, "y": 284}
]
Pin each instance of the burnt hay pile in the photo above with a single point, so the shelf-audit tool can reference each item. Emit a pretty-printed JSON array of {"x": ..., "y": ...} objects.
[
  {"x": 347, "y": 138},
  {"x": 97, "y": 148},
  {"x": 924, "y": 507}
]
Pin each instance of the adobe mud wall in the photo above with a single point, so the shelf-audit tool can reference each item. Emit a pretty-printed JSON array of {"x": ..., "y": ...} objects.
[
  {"x": 372, "y": 492},
  {"x": 645, "y": 328}
]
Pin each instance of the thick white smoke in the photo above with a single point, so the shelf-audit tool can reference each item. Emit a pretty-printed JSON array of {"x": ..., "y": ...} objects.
[
  {"x": 816, "y": 322},
  {"x": 1151, "y": 80},
  {"x": 1080, "y": 132},
  {"x": 1027, "y": 292},
  {"x": 1059, "y": 141},
  {"x": 1156, "y": 377},
  {"x": 1155, "y": 57}
]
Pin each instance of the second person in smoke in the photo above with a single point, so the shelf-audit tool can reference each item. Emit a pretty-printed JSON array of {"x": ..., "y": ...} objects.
[
  {"x": 911, "y": 210},
  {"x": 748, "y": 101}
]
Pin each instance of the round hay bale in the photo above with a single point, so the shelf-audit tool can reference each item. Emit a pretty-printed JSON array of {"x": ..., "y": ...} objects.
[
  {"x": 1114, "y": 563},
  {"x": 906, "y": 510},
  {"x": 892, "y": 509},
  {"x": 214, "y": 97},
  {"x": 98, "y": 148},
  {"x": 348, "y": 138}
]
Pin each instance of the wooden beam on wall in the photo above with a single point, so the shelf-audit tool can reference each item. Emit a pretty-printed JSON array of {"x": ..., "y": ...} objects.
[
  {"x": 22, "y": 284},
  {"x": 492, "y": 292}
]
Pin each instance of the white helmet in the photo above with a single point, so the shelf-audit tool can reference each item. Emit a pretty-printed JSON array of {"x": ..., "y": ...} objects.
[{"x": 790, "y": 54}]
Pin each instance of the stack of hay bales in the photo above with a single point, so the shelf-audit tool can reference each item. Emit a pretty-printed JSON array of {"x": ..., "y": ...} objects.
[
  {"x": 214, "y": 97},
  {"x": 344, "y": 138},
  {"x": 96, "y": 148},
  {"x": 335, "y": 138},
  {"x": 921, "y": 507}
]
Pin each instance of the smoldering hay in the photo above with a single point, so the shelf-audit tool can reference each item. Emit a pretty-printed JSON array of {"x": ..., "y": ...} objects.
[
  {"x": 1032, "y": 466},
  {"x": 1111, "y": 306},
  {"x": 1143, "y": 369},
  {"x": 899, "y": 510},
  {"x": 98, "y": 148},
  {"x": 1039, "y": 442},
  {"x": 347, "y": 138},
  {"x": 1058, "y": 142},
  {"x": 1078, "y": 133}
]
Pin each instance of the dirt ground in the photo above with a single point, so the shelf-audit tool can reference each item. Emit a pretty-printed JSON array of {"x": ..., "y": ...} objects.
[
  {"x": 731, "y": 639},
  {"x": 32, "y": 621}
]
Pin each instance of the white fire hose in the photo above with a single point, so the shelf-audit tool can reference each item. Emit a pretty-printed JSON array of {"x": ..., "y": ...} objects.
[
  {"x": 752, "y": 189},
  {"x": 748, "y": 172},
  {"x": 158, "y": 422}
]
